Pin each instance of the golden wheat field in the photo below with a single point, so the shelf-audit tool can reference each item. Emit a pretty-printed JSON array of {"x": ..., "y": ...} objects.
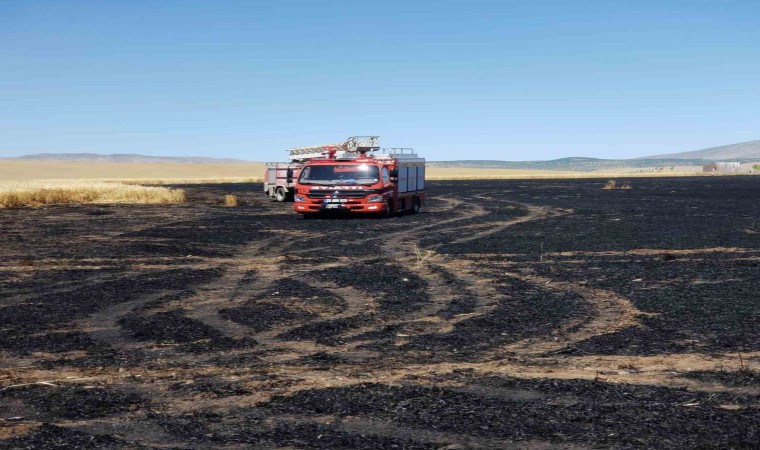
[
  {"x": 35, "y": 193},
  {"x": 145, "y": 173}
]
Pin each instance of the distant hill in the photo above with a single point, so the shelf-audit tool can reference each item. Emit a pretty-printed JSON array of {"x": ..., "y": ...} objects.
[
  {"x": 126, "y": 158},
  {"x": 744, "y": 150},
  {"x": 573, "y": 164}
]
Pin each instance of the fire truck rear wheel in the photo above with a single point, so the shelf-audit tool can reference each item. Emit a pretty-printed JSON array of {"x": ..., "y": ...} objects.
[
  {"x": 280, "y": 195},
  {"x": 415, "y": 205}
]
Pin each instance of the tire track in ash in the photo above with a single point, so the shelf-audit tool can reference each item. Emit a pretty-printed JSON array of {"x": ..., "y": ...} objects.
[
  {"x": 428, "y": 319},
  {"x": 201, "y": 305},
  {"x": 274, "y": 266},
  {"x": 360, "y": 303},
  {"x": 235, "y": 284},
  {"x": 450, "y": 204},
  {"x": 425, "y": 319},
  {"x": 609, "y": 311},
  {"x": 483, "y": 292},
  {"x": 534, "y": 213}
]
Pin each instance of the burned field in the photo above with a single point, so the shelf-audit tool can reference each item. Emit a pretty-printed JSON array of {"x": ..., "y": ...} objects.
[{"x": 518, "y": 313}]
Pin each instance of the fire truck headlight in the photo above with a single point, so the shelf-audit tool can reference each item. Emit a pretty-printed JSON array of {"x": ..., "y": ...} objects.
[
  {"x": 375, "y": 198},
  {"x": 299, "y": 198}
]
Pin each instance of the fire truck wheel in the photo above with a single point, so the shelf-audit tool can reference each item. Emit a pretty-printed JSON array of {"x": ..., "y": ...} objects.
[
  {"x": 388, "y": 211},
  {"x": 415, "y": 205},
  {"x": 280, "y": 195}
]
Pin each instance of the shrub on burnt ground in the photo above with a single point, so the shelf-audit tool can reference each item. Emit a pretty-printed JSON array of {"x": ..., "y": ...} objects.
[
  {"x": 76, "y": 402},
  {"x": 65, "y": 307},
  {"x": 326, "y": 332},
  {"x": 613, "y": 415},
  {"x": 737, "y": 378},
  {"x": 54, "y": 437},
  {"x": 263, "y": 316},
  {"x": 400, "y": 290},
  {"x": 231, "y": 200},
  {"x": 49, "y": 342}
]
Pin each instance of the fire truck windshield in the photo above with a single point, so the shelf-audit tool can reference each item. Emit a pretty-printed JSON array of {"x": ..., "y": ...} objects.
[{"x": 340, "y": 174}]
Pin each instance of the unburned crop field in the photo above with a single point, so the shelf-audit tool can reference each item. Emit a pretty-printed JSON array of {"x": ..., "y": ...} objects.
[{"x": 522, "y": 313}]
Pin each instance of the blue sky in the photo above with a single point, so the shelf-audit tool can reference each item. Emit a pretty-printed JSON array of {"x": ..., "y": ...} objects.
[{"x": 453, "y": 79}]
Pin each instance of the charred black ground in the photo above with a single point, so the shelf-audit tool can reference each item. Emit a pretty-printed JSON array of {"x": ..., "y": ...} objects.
[{"x": 525, "y": 314}]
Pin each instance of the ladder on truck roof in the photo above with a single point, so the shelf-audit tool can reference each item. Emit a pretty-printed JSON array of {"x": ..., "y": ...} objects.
[{"x": 354, "y": 144}]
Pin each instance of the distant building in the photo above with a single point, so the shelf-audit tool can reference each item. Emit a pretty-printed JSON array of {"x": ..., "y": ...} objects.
[{"x": 722, "y": 167}]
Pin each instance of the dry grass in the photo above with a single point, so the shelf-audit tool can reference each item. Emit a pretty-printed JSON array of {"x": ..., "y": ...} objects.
[
  {"x": 45, "y": 192},
  {"x": 230, "y": 200},
  {"x": 612, "y": 184},
  {"x": 174, "y": 181},
  {"x": 134, "y": 173}
]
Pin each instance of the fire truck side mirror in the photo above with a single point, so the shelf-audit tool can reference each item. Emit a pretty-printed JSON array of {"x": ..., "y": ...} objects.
[{"x": 394, "y": 173}]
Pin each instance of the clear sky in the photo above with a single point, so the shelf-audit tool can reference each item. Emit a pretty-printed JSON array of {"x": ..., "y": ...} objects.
[{"x": 511, "y": 80}]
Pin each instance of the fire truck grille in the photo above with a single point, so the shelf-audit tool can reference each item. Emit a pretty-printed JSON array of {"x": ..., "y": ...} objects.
[{"x": 343, "y": 194}]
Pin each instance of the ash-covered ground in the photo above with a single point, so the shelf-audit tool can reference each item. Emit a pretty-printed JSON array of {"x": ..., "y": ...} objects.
[{"x": 507, "y": 314}]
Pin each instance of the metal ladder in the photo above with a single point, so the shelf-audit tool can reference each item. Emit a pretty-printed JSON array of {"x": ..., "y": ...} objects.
[{"x": 354, "y": 144}]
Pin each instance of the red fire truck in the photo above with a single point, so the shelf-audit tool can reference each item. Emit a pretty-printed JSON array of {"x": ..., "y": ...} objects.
[{"x": 358, "y": 176}]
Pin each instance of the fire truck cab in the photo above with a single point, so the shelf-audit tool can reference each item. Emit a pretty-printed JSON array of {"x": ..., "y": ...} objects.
[{"x": 360, "y": 177}]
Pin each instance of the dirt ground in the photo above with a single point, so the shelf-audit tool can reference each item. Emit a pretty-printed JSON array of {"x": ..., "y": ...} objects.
[{"x": 509, "y": 314}]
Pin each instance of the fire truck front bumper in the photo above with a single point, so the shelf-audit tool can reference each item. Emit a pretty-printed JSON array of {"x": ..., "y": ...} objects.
[{"x": 306, "y": 208}]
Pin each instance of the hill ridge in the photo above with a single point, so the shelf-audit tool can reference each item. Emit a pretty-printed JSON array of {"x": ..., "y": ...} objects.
[{"x": 741, "y": 150}]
